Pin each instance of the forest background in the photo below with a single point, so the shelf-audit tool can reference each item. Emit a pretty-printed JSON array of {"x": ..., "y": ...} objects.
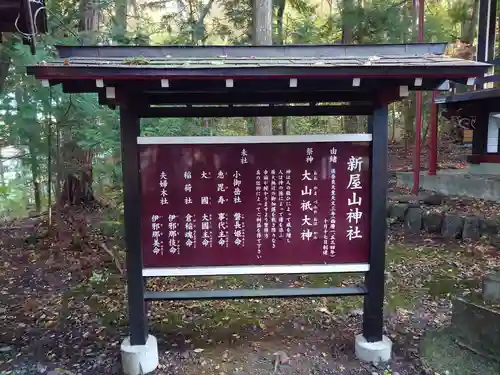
[{"x": 63, "y": 148}]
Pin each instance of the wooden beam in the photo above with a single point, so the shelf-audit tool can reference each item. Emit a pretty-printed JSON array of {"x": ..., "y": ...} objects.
[
  {"x": 273, "y": 111},
  {"x": 259, "y": 97}
]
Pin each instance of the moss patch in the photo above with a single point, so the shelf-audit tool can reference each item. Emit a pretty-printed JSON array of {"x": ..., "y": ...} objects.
[{"x": 440, "y": 352}]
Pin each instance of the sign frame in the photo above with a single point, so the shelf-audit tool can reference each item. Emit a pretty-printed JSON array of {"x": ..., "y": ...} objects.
[
  {"x": 270, "y": 269},
  {"x": 374, "y": 283}
]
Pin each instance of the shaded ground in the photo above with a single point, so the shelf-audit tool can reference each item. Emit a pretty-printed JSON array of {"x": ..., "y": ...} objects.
[
  {"x": 450, "y": 156},
  {"x": 65, "y": 308}
]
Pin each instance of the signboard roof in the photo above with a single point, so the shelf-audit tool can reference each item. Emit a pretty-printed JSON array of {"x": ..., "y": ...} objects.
[{"x": 199, "y": 77}]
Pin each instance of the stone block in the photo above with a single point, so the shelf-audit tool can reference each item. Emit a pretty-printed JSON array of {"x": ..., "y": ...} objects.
[
  {"x": 471, "y": 228},
  {"x": 452, "y": 226},
  {"x": 488, "y": 227},
  {"x": 398, "y": 211},
  {"x": 477, "y": 326},
  {"x": 388, "y": 207},
  {"x": 491, "y": 288},
  {"x": 413, "y": 220},
  {"x": 433, "y": 222},
  {"x": 433, "y": 199}
]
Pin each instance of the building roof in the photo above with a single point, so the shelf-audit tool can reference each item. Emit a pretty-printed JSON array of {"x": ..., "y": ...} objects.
[
  {"x": 227, "y": 62},
  {"x": 469, "y": 96},
  {"x": 334, "y": 60},
  {"x": 270, "y": 75},
  {"x": 295, "y": 50},
  {"x": 25, "y": 17}
]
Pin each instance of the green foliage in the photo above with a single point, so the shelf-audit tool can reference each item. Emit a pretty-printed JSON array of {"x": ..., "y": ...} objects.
[{"x": 32, "y": 115}]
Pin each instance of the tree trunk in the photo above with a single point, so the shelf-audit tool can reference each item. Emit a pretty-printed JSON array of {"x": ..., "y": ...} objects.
[
  {"x": 77, "y": 167},
  {"x": 284, "y": 125},
  {"x": 347, "y": 21},
  {"x": 281, "y": 40},
  {"x": 35, "y": 174},
  {"x": 4, "y": 65},
  {"x": 77, "y": 185},
  {"x": 262, "y": 34},
  {"x": 199, "y": 27},
  {"x": 393, "y": 130},
  {"x": 279, "y": 21},
  {"x": 58, "y": 180},
  {"x": 120, "y": 21},
  {"x": 349, "y": 123},
  {"x": 409, "y": 108},
  {"x": 89, "y": 19},
  {"x": 469, "y": 31},
  {"x": 2, "y": 171}
]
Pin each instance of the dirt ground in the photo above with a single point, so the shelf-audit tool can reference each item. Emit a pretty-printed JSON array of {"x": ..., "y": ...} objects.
[
  {"x": 64, "y": 312},
  {"x": 450, "y": 156},
  {"x": 63, "y": 306}
]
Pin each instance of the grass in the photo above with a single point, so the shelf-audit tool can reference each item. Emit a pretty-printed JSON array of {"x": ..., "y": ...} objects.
[{"x": 414, "y": 275}]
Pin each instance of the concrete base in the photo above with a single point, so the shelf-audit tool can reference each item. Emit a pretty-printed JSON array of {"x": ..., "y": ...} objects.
[
  {"x": 456, "y": 182},
  {"x": 374, "y": 352},
  {"x": 139, "y": 359},
  {"x": 485, "y": 168}
]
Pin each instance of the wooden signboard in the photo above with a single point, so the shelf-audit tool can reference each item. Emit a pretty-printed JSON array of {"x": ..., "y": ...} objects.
[{"x": 230, "y": 205}]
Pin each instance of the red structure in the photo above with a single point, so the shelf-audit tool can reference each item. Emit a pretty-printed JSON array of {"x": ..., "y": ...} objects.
[
  {"x": 433, "y": 135},
  {"x": 289, "y": 200},
  {"x": 419, "y": 5},
  {"x": 477, "y": 110}
]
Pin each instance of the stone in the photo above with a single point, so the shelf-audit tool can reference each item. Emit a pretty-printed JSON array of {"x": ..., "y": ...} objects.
[
  {"x": 398, "y": 211},
  {"x": 139, "y": 359},
  {"x": 356, "y": 312},
  {"x": 495, "y": 242},
  {"x": 488, "y": 227},
  {"x": 373, "y": 352},
  {"x": 41, "y": 368},
  {"x": 433, "y": 199},
  {"x": 471, "y": 228},
  {"x": 413, "y": 220},
  {"x": 5, "y": 349},
  {"x": 433, "y": 222},
  {"x": 406, "y": 198},
  {"x": 476, "y": 326},
  {"x": 60, "y": 371},
  {"x": 491, "y": 288},
  {"x": 452, "y": 226}
]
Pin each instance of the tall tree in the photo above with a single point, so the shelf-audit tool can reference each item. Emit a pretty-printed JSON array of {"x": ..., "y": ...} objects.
[
  {"x": 350, "y": 123},
  {"x": 77, "y": 162},
  {"x": 262, "y": 33},
  {"x": 120, "y": 21}
]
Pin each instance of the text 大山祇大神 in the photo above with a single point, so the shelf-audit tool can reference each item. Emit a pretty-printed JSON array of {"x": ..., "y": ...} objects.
[{"x": 255, "y": 204}]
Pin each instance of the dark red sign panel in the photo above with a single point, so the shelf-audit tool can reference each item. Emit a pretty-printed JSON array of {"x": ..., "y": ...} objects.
[{"x": 300, "y": 201}]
